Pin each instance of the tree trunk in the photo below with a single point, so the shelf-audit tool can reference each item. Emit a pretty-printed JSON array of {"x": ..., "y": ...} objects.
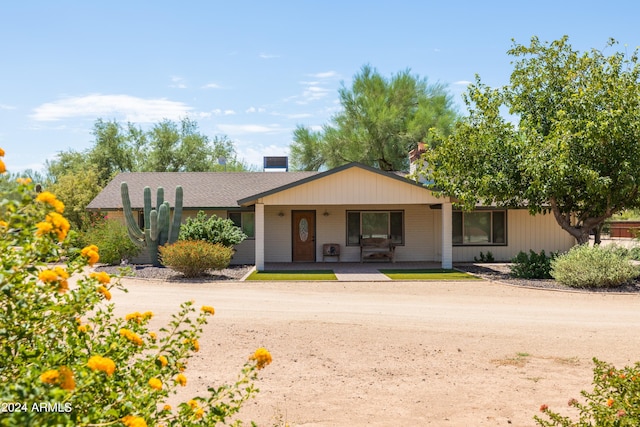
[
  {"x": 581, "y": 233},
  {"x": 598, "y": 234}
]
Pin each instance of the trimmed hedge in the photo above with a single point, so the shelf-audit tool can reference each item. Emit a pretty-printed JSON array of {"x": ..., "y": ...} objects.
[{"x": 194, "y": 257}]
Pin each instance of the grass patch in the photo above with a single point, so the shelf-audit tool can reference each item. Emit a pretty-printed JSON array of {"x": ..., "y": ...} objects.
[
  {"x": 426, "y": 274},
  {"x": 282, "y": 275}
]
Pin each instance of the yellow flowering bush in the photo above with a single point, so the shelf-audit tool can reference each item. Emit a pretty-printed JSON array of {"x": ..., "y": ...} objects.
[{"x": 67, "y": 359}]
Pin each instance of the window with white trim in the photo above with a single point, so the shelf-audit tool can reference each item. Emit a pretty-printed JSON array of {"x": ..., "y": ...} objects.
[
  {"x": 385, "y": 224},
  {"x": 479, "y": 227},
  {"x": 244, "y": 220}
]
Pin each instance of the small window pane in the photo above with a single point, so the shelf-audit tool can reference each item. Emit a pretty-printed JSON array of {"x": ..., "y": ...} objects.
[
  {"x": 457, "y": 227},
  {"x": 477, "y": 227},
  {"x": 499, "y": 224},
  {"x": 248, "y": 224},
  {"x": 375, "y": 224},
  {"x": 236, "y": 217},
  {"x": 353, "y": 228},
  {"x": 396, "y": 227}
]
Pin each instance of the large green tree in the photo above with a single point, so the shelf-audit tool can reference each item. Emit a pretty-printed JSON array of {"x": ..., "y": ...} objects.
[
  {"x": 381, "y": 120},
  {"x": 76, "y": 177},
  {"x": 574, "y": 150}
]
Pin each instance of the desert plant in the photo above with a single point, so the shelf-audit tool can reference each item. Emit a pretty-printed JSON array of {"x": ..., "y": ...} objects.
[
  {"x": 158, "y": 229},
  {"x": 194, "y": 257},
  {"x": 593, "y": 266},
  {"x": 532, "y": 265},
  {"x": 614, "y": 401},
  {"x": 485, "y": 258},
  {"x": 110, "y": 235},
  {"x": 68, "y": 360},
  {"x": 211, "y": 229}
]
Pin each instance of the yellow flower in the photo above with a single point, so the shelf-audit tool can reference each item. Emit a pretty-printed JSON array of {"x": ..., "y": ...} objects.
[
  {"x": 62, "y": 377},
  {"x": 50, "y": 377},
  {"x": 208, "y": 309},
  {"x": 163, "y": 361},
  {"x": 262, "y": 357},
  {"x": 199, "y": 413},
  {"x": 43, "y": 228},
  {"x": 181, "y": 379},
  {"x": 131, "y": 421},
  {"x": 131, "y": 336},
  {"x": 50, "y": 199},
  {"x": 24, "y": 181},
  {"x": 91, "y": 253},
  {"x": 193, "y": 404},
  {"x": 155, "y": 383},
  {"x": 3, "y": 168},
  {"x": 166, "y": 408},
  {"x": 1, "y": 152},
  {"x": 104, "y": 364},
  {"x": 66, "y": 378},
  {"x": 4, "y": 224},
  {"x": 83, "y": 328},
  {"x": 153, "y": 336},
  {"x": 195, "y": 345},
  {"x": 102, "y": 277},
  {"x": 48, "y": 276},
  {"x": 63, "y": 286},
  {"x": 104, "y": 291},
  {"x": 61, "y": 272}
]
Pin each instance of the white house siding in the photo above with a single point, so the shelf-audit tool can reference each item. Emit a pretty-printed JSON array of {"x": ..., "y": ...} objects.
[
  {"x": 524, "y": 232},
  {"x": 350, "y": 187}
]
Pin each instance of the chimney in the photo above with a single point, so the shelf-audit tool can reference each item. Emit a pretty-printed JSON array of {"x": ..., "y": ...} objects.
[{"x": 414, "y": 156}]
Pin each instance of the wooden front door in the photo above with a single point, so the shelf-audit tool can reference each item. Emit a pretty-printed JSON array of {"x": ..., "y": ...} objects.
[{"x": 303, "y": 236}]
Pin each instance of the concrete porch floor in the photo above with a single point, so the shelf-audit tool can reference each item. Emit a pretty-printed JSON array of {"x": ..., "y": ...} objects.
[{"x": 352, "y": 271}]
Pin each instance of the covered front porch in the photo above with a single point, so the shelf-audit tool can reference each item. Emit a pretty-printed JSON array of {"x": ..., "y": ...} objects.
[{"x": 294, "y": 222}]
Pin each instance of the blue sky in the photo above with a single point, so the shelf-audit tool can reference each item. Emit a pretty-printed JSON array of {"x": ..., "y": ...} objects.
[{"x": 252, "y": 70}]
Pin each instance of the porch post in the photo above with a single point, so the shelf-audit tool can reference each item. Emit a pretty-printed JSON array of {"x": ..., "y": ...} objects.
[
  {"x": 447, "y": 244},
  {"x": 259, "y": 236}
]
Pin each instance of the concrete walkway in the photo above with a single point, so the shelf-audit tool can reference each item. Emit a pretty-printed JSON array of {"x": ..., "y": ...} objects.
[{"x": 353, "y": 271}]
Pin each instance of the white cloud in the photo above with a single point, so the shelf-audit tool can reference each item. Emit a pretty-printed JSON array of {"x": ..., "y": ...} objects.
[
  {"x": 212, "y": 86},
  {"x": 244, "y": 129},
  {"x": 178, "y": 82},
  {"x": 7, "y": 107},
  {"x": 462, "y": 83},
  {"x": 218, "y": 112},
  {"x": 313, "y": 93},
  {"x": 129, "y": 108},
  {"x": 255, "y": 110},
  {"x": 325, "y": 75},
  {"x": 268, "y": 56}
]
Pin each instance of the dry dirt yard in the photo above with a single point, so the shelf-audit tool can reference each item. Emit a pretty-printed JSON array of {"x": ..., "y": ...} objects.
[{"x": 399, "y": 354}]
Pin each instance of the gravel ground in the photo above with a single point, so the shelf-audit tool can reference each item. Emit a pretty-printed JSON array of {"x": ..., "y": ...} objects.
[
  {"x": 147, "y": 271},
  {"x": 501, "y": 272}
]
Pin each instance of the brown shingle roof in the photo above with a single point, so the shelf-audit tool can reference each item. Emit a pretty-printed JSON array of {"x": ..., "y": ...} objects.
[{"x": 201, "y": 189}]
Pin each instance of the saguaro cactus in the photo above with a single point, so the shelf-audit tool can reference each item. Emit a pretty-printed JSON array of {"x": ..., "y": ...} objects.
[{"x": 158, "y": 228}]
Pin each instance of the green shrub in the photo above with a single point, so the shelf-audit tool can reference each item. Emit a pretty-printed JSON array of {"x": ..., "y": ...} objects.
[
  {"x": 615, "y": 400},
  {"x": 485, "y": 258},
  {"x": 593, "y": 266},
  {"x": 68, "y": 359},
  {"x": 110, "y": 235},
  {"x": 211, "y": 229},
  {"x": 194, "y": 257},
  {"x": 533, "y": 265}
]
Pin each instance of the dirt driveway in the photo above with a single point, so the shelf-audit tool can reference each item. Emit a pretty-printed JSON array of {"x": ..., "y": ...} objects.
[{"x": 400, "y": 354}]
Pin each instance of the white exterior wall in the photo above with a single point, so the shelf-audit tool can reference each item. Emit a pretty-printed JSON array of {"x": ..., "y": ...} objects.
[{"x": 524, "y": 232}]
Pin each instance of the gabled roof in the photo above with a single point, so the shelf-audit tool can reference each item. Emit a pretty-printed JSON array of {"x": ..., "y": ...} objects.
[
  {"x": 201, "y": 189},
  {"x": 400, "y": 176}
]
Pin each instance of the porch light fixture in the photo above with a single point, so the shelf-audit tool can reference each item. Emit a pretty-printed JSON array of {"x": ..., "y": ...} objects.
[
  {"x": 326, "y": 213},
  {"x": 281, "y": 213}
]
